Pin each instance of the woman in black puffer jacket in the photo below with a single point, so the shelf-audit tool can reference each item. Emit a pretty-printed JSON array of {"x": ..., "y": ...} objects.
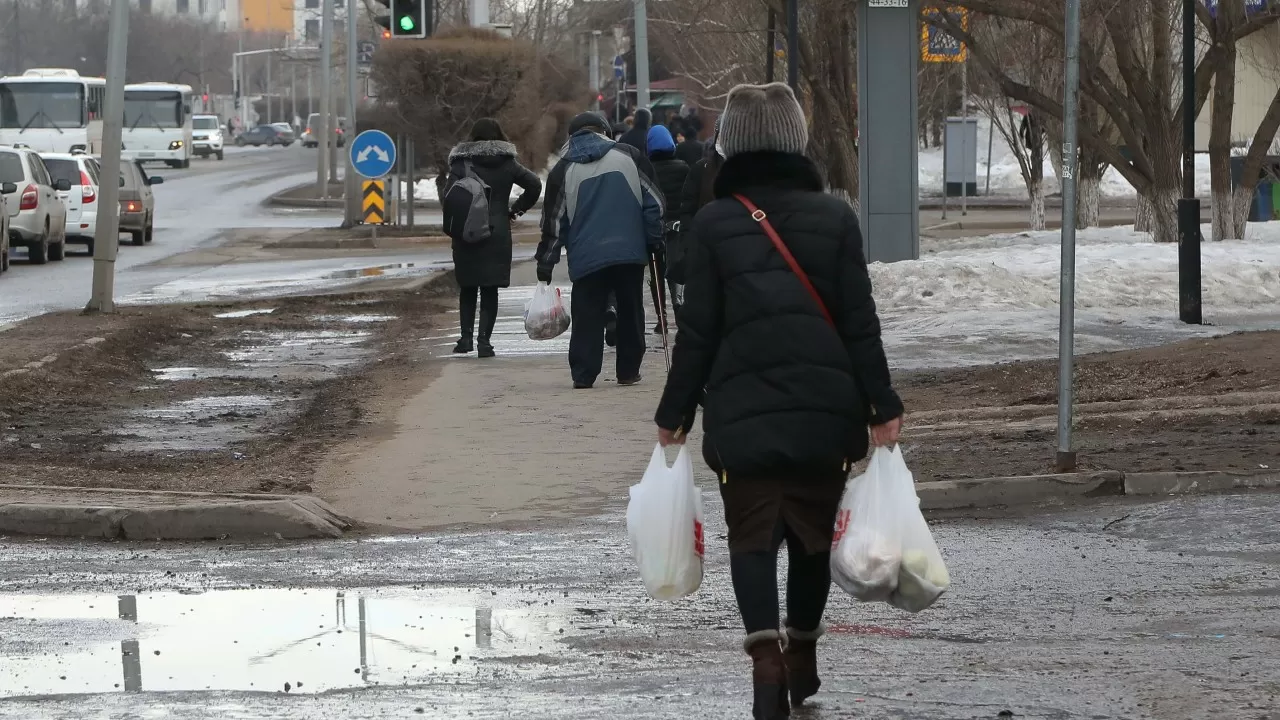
[
  {"x": 671, "y": 172},
  {"x": 791, "y": 375}
]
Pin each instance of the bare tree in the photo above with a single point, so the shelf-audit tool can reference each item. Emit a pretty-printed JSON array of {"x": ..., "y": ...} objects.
[{"x": 1132, "y": 74}]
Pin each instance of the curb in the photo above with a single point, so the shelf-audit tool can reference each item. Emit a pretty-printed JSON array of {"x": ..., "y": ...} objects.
[
  {"x": 1034, "y": 489},
  {"x": 113, "y": 514}
]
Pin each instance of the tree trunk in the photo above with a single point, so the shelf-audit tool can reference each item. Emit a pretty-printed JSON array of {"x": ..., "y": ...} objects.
[
  {"x": 1144, "y": 216},
  {"x": 1088, "y": 201},
  {"x": 1036, "y": 189},
  {"x": 1164, "y": 213},
  {"x": 1242, "y": 199}
]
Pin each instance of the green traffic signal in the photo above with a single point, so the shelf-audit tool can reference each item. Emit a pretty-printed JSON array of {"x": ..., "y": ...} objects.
[{"x": 406, "y": 23}]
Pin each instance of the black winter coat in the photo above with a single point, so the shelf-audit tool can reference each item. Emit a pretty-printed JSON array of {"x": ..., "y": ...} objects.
[
  {"x": 670, "y": 174},
  {"x": 695, "y": 194},
  {"x": 690, "y": 151},
  {"x": 785, "y": 392},
  {"x": 638, "y": 136},
  {"x": 488, "y": 263}
]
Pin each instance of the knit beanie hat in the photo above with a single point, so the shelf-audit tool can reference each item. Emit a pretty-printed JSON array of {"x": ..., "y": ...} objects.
[
  {"x": 588, "y": 121},
  {"x": 763, "y": 118}
]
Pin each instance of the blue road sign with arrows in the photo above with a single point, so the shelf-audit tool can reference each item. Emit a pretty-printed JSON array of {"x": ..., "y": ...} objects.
[{"x": 373, "y": 154}]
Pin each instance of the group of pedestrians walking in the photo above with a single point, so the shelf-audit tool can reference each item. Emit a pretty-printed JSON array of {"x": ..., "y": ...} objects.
[{"x": 777, "y": 335}]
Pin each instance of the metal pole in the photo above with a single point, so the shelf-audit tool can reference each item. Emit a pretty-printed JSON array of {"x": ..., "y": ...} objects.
[
  {"x": 793, "y": 45},
  {"x": 106, "y": 240},
  {"x": 326, "y": 101},
  {"x": 1067, "y": 306},
  {"x": 594, "y": 70},
  {"x": 964, "y": 138},
  {"x": 310, "y": 93},
  {"x": 352, "y": 184},
  {"x": 771, "y": 40},
  {"x": 991, "y": 137},
  {"x": 242, "y": 100},
  {"x": 946, "y": 116},
  {"x": 409, "y": 162},
  {"x": 270, "y": 115},
  {"x": 1190, "y": 307},
  {"x": 642, "y": 54}
]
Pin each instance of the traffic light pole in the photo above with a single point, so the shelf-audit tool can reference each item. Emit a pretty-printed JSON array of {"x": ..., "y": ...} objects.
[
  {"x": 326, "y": 99},
  {"x": 106, "y": 241},
  {"x": 352, "y": 187}
]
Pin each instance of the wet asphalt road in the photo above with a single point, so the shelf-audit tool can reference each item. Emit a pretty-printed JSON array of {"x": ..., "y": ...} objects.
[{"x": 1113, "y": 610}]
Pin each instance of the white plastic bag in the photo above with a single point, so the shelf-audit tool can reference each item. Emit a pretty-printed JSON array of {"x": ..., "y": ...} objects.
[
  {"x": 545, "y": 317},
  {"x": 882, "y": 549},
  {"x": 664, "y": 523}
]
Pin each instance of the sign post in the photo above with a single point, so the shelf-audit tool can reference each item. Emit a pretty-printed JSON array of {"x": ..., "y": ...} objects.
[{"x": 373, "y": 156}]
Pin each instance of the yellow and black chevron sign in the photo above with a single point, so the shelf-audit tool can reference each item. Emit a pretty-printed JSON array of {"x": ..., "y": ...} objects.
[{"x": 375, "y": 204}]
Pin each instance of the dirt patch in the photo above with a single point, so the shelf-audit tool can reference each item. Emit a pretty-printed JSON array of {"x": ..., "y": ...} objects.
[
  {"x": 1210, "y": 404},
  {"x": 223, "y": 398}
]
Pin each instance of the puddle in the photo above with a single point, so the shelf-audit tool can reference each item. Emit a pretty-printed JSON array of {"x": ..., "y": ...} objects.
[
  {"x": 260, "y": 640},
  {"x": 207, "y": 423},
  {"x": 301, "y": 354},
  {"x": 354, "y": 318},
  {"x": 244, "y": 313}
]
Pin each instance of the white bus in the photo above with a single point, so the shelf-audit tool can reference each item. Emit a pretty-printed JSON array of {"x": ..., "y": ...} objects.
[
  {"x": 52, "y": 110},
  {"x": 157, "y": 123}
]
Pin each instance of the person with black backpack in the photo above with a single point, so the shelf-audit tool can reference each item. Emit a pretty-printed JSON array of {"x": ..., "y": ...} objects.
[{"x": 477, "y": 216}]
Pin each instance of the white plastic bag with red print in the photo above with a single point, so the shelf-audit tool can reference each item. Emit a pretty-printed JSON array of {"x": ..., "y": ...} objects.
[
  {"x": 664, "y": 524},
  {"x": 545, "y": 316},
  {"x": 882, "y": 550}
]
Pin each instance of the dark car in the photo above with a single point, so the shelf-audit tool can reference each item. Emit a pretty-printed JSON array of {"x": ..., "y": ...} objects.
[{"x": 264, "y": 135}]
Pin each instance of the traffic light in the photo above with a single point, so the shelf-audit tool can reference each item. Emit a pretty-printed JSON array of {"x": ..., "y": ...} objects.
[{"x": 407, "y": 19}]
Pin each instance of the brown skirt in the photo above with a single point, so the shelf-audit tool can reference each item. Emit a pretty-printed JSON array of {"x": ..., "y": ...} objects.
[{"x": 807, "y": 506}]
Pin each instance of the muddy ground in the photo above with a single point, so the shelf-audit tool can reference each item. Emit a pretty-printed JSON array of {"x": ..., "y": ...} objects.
[
  {"x": 215, "y": 397},
  {"x": 1210, "y": 404},
  {"x": 218, "y": 397}
]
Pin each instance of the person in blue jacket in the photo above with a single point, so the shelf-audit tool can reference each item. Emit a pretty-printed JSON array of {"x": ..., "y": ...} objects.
[{"x": 607, "y": 215}]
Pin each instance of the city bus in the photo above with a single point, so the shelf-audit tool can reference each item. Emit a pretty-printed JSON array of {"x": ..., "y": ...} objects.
[
  {"x": 52, "y": 110},
  {"x": 157, "y": 123}
]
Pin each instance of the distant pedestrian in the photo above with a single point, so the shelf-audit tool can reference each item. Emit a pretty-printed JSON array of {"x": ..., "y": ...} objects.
[
  {"x": 483, "y": 267},
  {"x": 638, "y": 136},
  {"x": 607, "y": 214},
  {"x": 690, "y": 149},
  {"x": 671, "y": 172},
  {"x": 697, "y": 192},
  {"x": 790, "y": 374}
]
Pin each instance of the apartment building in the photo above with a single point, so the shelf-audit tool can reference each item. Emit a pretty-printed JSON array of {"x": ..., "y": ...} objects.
[{"x": 306, "y": 19}]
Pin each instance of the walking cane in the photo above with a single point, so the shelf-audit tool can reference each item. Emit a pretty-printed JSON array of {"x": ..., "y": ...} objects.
[{"x": 660, "y": 304}]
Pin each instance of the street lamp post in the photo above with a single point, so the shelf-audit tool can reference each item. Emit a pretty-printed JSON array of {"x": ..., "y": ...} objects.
[
  {"x": 1190, "y": 309},
  {"x": 106, "y": 243}
]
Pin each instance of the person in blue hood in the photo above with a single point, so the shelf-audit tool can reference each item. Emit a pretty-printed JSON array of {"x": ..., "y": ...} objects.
[
  {"x": 607, "y": 215},
  {"x": 671, "y": 173}
]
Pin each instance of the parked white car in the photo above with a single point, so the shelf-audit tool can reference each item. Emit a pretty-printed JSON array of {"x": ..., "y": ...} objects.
[
  {"x": 81, "y": 201},
  {"x": 37, "y": 218}
]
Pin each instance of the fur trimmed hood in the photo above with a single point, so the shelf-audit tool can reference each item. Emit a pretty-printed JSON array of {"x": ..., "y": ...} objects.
[{"x": 482, "y": 149}]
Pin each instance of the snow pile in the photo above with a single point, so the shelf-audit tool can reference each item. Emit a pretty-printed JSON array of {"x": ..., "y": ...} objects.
[
  {"x": 1006, "y": 175},
  {"x": 995, "y": 298},
  {"x": 1115, "y": 268}
]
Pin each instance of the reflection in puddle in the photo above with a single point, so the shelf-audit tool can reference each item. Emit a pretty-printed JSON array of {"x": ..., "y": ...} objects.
[
  {"x": 373, "y": 271},
  {"x": 329, "y": 348},
  {"x": 267, "y": 640}
]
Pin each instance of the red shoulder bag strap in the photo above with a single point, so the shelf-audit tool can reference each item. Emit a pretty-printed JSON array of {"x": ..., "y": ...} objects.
[{"x": 758, "y": 215}]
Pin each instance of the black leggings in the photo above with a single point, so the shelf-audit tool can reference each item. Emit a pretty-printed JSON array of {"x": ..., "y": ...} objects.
[
  {"x": 755, "y": 583},
  {"x": 488, "y": 311}
]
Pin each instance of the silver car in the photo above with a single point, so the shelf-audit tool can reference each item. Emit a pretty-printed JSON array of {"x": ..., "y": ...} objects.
[{"x": 37, "y": 217}]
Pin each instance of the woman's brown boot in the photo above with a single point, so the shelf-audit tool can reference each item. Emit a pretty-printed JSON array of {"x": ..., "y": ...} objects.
[
  {"x": 801, "y": 657},
  {"x": 768, "y": 675}
]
